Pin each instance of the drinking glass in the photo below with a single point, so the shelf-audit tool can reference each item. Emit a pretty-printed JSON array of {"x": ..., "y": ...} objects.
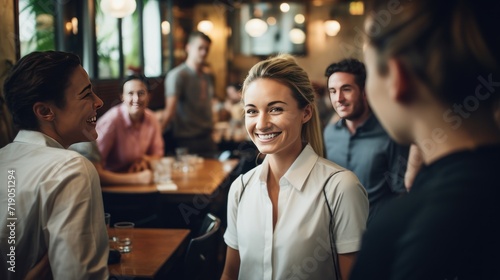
[{"x": 123, "y": 236}]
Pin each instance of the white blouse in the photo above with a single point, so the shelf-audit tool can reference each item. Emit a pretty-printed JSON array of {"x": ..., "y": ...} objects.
[
  {"x": 299, "y": 247},
  {"x": 58, "y": 209}
]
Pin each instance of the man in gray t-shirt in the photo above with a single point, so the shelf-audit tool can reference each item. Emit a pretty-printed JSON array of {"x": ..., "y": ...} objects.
[{"x": 188, "y": 98}]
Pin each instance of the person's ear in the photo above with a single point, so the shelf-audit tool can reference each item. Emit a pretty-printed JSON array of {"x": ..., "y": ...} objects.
[
  {"x": 43, "y": 111},
  {"x": 307, "y": 113},
  {"x": 399, "y": 82}
]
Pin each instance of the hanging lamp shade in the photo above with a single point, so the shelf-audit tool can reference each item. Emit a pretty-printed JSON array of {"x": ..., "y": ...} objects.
[{"x": 118, "y": 8}]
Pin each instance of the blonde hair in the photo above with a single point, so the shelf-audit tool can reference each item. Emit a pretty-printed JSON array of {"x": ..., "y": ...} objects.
[{"x": 284, "y": 69}]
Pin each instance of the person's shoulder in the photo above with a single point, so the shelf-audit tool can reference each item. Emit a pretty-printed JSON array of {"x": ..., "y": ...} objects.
[
  {"x": 178, "y": 70},
  {"x": 61, "y": 160},
  {"x": 111, "y": 114},
  {"x": 329, "y": 168},
  {"x": 109, "y": 119},
  {"x": 66, "y": 155},
  {"x": 149, "y": 114},
  {"x": 329, "y": 165},
  {"x": 245, "y": 179}
]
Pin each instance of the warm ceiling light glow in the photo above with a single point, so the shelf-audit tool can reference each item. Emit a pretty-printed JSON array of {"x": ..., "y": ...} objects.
[
  {"x": 356, "y": 8},
  {"x": 271, "y": 20},
  {"x": 165, "y": 27},
  {"x": 317, "y": 3},
  {"x": 297, "y": 36},
  {"x": 205, "y": 26},
  {"x": 74, "y": 25},
  {"x": 284, "y": 7},
  {"x": 299, "y": 18},
  {"x": 332, "y": 27},
  {"x": 118, "y": 8},
  {"x": 68, "y": 26},
  {"x": 256, "y": 27}
]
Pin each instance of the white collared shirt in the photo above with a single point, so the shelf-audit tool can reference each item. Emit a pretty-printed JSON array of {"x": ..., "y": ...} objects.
[
  {"x": 299, "y": 247},
  {"x": 58, "y": 208}
]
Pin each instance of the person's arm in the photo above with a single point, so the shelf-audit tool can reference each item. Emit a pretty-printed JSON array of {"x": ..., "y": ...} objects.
[
  {"x": 144, "y": 163},
  {"x": 74, "y": 222},
  {"x": 108, "y": 177},
  {"x": 107, "y": 137},
  {"x": 169, "y": 112},
  {"x": 346, "y": 262},
  {"x": 41, "y": 271},
  {"x": 157, "y": 146},
  {"x": 350, "y": 201},
  {"x": 232, "y": 265}
]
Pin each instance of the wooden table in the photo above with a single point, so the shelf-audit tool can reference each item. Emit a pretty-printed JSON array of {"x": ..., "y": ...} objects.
[
  {"x": 153, "y": 253},
  {"x": 203, "y": 180},
  {"x": 199, "y": 191}
]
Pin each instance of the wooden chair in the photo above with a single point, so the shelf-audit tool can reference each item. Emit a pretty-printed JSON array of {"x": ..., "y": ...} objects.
[{"x": 201, "y": 255}]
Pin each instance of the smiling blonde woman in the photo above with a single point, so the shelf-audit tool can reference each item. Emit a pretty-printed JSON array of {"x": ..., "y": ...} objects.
[{"x": 297, "y": 214}]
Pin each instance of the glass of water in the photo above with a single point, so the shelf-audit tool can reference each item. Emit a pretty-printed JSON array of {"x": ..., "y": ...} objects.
[{"x": 123, "y": 236}]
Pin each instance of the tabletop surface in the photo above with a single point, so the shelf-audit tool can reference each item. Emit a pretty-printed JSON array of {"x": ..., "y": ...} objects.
[
  {"x": 205, "y": 178},
  {"x": 152, "y": 249}
]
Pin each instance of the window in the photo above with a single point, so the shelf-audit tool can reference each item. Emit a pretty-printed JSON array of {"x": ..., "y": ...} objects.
[
  {"x": 133, "y": 43},
  {"x": 36, "y": 26}
]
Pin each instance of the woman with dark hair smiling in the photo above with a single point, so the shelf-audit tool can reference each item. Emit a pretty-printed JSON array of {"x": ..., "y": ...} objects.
[{"x": 52, "y": 211}]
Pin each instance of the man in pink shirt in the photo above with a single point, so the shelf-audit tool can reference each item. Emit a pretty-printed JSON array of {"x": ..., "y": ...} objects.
[{"x": 129, "y": 134}]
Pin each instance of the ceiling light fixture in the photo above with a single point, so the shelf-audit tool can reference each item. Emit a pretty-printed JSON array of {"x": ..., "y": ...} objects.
[{"x": 118, "y": 8}]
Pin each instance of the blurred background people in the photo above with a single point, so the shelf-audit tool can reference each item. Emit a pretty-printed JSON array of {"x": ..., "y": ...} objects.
[
  {"x": 325, "y": 110},
  {"x": 281, "y": 211},
  {"x": 433, "y": 81},
  {"x": 189, "y": 90},
  {"x": 357, "y": 141},
  {"x": 231, "y": 132},
  {"x": 108, "y": 177},
  {"x": 129, "y": 134}
]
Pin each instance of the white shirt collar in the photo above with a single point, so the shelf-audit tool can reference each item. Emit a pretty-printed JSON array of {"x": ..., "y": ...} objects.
[
  {"x": 298, "y": 172},
  {"x": 36, "y": 138}
]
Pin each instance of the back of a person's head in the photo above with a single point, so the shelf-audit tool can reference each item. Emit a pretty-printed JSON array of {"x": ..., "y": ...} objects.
[
  {"x": 351, "y": 66},
  {"x": 450, "y": 46},
  {"x": 37, "y": 77},
  {"x": 285, "y": 70}
]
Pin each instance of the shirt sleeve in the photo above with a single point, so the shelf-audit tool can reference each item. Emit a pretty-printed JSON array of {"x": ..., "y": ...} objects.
[
  {"x": 231, "y": 236},
  {"x": 350, "y": 210},
  {"x": 74, "y": 226},
  {"x": 173, "y": 83}
]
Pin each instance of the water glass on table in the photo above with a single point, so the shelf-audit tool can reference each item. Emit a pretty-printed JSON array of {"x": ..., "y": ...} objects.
[
  {"x": 162, "y": 170},
  {"x": 107, "y": 220},
  {"x": 123, "y": 236}
]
